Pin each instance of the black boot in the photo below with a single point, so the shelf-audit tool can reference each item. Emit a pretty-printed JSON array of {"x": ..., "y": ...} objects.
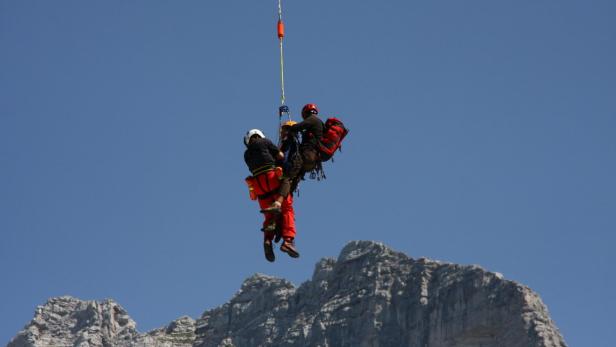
[{"x": 269, "y": 251}]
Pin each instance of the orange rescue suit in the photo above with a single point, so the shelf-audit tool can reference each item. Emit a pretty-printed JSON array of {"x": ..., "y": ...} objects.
[{"x": 264, "y": 188}]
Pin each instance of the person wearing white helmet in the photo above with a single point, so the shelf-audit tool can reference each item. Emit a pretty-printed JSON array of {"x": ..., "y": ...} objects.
[
  {"x": 260, "y": 152},
  {"x": 261, "y": 156}
]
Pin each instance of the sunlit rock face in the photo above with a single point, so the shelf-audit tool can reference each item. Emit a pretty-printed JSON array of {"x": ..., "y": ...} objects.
[{"x": 371, "y": 296}]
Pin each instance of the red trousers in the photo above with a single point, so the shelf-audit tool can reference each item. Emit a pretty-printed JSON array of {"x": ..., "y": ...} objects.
[{"x": 285, "y": 221}]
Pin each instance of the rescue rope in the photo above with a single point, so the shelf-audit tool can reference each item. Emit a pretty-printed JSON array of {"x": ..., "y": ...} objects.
[
  {"x": 280, "y": 27},
  {"x": 283, "y": 109}
]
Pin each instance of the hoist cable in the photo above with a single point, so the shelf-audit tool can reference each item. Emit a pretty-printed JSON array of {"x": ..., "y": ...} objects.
[
  {"x": 283, "y": 108},
  {"x": 280, "y": 39}
]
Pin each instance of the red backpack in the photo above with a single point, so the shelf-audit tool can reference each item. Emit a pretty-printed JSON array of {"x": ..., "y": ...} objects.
[{"x": 333, "y": 134}]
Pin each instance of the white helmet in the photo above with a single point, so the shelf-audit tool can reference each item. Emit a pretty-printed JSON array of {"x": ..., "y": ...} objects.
[{"x": 251, "y": 133}]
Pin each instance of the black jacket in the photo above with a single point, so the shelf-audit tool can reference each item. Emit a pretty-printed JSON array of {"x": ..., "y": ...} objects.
[
  {"x": 311, "y": 129},
  {"x": 260, "y": 153}
]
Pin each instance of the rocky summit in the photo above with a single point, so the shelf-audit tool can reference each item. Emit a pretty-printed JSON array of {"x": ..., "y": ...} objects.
[{"x": 371, "y": 296}]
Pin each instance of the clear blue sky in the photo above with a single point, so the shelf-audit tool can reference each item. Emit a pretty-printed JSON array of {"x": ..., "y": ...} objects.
[{"x": 482, "y": 132}]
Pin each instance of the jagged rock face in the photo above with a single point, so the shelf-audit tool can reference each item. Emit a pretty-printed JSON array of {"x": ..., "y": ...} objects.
[
  {"x": 69, "y": 322},
  {"x": 370, "y": 296},
  {"x": 66, "y": 321}
]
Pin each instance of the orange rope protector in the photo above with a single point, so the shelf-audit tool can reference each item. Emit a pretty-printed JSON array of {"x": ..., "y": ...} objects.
[{"x": 280, "y": 29}]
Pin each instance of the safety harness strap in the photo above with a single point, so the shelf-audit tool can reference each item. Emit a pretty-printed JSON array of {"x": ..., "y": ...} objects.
[{"x": 263, "y": 169}]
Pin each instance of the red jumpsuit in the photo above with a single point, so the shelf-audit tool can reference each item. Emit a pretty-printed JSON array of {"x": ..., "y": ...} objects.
[
  {"x": 285, "y": 220},
  {"x": 262, "y": 188}
]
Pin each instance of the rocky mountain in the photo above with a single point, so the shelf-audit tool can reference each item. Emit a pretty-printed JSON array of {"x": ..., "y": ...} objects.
[{"x": 369, "y": 296}]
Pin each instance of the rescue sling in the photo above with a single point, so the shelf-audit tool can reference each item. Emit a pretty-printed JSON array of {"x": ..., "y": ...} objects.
[
  {"x": 265, "y": 183},
  {"x": 333, "y": 134}
]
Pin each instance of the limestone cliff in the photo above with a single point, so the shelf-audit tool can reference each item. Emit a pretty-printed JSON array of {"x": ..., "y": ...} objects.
[{"x": 369, "y": 296}]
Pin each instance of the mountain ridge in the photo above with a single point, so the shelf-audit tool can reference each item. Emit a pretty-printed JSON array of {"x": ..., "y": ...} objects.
[{"x": 370, "y": 295}]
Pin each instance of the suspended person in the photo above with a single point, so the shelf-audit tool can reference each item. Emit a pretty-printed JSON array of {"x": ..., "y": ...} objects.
[
  {"x": 290, "y": 146},
  {"x": 264, "y": 184},
  {"x": 311, "y": 129}
]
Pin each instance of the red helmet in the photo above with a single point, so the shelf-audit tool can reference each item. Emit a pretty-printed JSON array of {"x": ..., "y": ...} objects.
[{"x": 309, "y": 109}]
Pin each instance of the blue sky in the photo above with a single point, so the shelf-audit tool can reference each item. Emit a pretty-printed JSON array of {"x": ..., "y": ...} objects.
[{"x": 482, "y": 132}]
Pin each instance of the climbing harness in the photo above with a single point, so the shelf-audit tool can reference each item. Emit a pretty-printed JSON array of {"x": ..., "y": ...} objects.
[{"x": 265, "y": 183}]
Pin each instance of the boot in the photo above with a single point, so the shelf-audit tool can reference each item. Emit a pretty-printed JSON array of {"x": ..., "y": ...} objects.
[
  {"x": 275, "y": 207},
  {"x": 288, "y": 246},
  {"x": 269, "y": 251}
]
